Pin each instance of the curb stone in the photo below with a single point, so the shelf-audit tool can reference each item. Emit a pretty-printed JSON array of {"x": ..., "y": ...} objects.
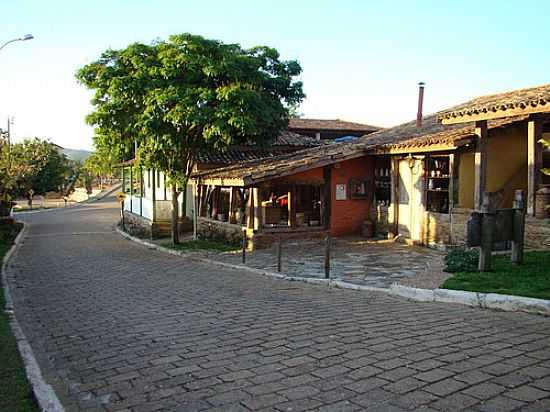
[
  {"x": 44, "y": 394},
  {"x": 508, "y": 303}
]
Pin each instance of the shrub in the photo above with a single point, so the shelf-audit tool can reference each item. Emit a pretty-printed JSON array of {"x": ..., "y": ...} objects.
[{"x": 462, "y": 260}]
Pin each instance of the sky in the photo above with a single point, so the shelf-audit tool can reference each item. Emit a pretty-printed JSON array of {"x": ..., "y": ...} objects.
[{"x": 361, "y": 59}]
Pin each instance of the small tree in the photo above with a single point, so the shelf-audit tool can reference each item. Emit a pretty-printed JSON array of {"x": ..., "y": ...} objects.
[{"x": 187, "y": 96}]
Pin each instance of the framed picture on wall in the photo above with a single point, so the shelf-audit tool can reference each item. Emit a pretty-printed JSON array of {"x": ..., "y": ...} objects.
[
  {"x": 359, "y": 188},
  {"x": 341, "y": 192}
]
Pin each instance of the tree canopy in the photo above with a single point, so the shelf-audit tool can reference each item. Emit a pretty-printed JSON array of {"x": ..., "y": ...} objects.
[
  {"x": 179, "y": 98},
  {"x": 34, "y": 165}
]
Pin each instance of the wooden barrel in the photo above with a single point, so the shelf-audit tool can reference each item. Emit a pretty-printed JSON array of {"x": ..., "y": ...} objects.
[{"x": 542, "y": 203}]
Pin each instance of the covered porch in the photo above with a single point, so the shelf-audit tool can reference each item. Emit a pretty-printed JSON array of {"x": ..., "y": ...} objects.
[
  {"x": 304, "y": 195},
  {"x": 295, "y": 207}
]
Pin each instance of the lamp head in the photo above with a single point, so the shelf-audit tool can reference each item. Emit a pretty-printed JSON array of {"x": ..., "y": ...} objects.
[{"x": 27, "y": 37}]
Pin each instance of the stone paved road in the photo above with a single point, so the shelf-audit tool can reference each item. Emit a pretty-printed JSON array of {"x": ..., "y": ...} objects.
[{"x": 117, "y": 327}]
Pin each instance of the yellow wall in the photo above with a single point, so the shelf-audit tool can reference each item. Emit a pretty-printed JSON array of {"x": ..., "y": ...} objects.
[
  {"x": 466, "y": 181},
  {"x": 506, "y": 166},
  {"x": 507, "y": 156}
]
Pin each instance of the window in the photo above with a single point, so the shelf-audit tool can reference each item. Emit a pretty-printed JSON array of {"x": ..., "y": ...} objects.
[
  {"x": 382, "y": 180},
  {"x": 438, "y": 178},
  {"x": 358, "y": 189}
]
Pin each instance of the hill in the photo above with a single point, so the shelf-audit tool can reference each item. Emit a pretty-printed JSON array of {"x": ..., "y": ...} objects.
[{"x": 76, "y": 154}]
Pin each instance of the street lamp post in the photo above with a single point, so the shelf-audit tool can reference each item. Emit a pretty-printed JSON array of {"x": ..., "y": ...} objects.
[{"x": 24, "y": 38}]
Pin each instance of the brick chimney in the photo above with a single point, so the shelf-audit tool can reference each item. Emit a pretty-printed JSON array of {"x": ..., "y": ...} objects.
[{"x": 420, "y": 104}]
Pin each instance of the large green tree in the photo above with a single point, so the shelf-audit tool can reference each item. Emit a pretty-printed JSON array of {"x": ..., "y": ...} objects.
[
  {"x": 35, "y": 165},
  {"x": 186, "y": 96}
]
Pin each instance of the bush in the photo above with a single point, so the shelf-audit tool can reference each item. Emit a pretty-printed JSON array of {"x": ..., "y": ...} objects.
[{"x": 462, "y": 260}]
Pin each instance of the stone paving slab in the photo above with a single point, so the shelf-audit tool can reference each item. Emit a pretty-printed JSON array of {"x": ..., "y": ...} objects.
[
  {"x": 371, "y": 263},
  {"x": 118, "y": 327}
]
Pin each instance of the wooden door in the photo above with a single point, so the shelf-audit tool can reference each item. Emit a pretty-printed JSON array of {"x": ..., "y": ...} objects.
[{"x": 410, "y": 209}]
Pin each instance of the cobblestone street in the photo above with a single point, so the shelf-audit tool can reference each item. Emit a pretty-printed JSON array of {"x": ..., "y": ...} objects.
[{"x": 118, "y": 327}]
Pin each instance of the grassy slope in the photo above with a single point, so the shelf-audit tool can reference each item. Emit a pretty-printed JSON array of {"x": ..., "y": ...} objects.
[
  {"x": 15, "y": 392},
  {"x": 531, "y": 279}
]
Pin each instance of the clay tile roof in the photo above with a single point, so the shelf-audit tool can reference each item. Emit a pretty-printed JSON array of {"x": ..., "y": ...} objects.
[
  {"x": 405, "y": 135},
  {"x": 330, "y": 124},
  {"x": 286, "y": 142},
  {"x": 432, "y": 132},
  {"x": 256, "y": 171},
  {"x": 516, "y": 102}
]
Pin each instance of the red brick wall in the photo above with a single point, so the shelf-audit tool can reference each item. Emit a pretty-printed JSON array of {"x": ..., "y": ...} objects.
[
  {"x": 347, "y": 216},
  {"x": 312, "y": 175}
]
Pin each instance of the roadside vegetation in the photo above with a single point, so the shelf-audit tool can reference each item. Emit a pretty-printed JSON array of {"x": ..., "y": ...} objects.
[
  {"x": 201, "y": 244},
  {"x": 530, "y": 279},
  {"x": 15, "y": 391}
]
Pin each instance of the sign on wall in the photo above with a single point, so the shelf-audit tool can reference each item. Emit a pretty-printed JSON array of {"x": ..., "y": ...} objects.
[{"x": 341, "y": 192}]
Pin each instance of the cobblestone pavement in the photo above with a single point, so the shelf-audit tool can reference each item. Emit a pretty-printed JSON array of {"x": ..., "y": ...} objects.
[
  {"x": 117, "y": 327},
  {"x": 372, "y": 263}
]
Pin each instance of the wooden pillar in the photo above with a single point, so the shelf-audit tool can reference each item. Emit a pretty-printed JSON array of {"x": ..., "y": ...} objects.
[
  {"x": 534, "y": 161},
  {"x": 326, "y": 196},
  {"x": 480, "y": 163},
  {"x": 292, "y": 207},
  {"x": 257, "y": 210},
  {"x": 231, "y": 211}
]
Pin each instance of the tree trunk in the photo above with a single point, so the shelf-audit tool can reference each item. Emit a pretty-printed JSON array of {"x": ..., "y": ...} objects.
[{"x": 175, "y": 215}]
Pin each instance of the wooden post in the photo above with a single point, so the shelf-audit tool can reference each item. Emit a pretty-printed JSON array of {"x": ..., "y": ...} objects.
[
  {"x": 279, "y": 254},
  {"x": 480, "y": 163},
  {"x": 292, "y": 207},
  {"x": 231, "y": 212},
  {"x": 534, "y": 162},
  {"x": 327, "y": 256},
  {"x": 244, "y": 246},
  {"x": 519, "y": 227},
  {"x": 326, "y": 196},
  {"x": 487, "y": 234}
]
